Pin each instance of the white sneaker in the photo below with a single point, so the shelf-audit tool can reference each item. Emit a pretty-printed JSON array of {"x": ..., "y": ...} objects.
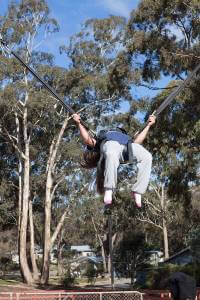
[
  {"x": 137, "y": 198},
  {"x": 108, "y": 196}
]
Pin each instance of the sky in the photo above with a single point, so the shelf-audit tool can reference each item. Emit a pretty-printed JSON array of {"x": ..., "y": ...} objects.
[{"x": 71, "y": 14}]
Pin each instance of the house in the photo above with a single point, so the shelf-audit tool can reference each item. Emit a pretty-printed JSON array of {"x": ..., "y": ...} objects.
[
  {"x": 182, "y": 257},
  {"x": 83, "y": 250}
]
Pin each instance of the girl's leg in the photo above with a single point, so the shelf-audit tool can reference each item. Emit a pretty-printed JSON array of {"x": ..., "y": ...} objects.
[
  {"x": 112, "y": 152},
  {"x": 144, "y": 163}
]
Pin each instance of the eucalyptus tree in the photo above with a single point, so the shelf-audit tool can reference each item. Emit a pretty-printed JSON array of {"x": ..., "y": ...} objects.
[
  {"x": 100, "y": 66},
  {"x": 162, "y": 38},
  {"x": 33, "y": 122},
  {"x": 34, "y": 125}
]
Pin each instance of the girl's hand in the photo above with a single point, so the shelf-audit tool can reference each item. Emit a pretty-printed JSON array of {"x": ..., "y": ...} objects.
[
  {"x": 76, "y": 118},
  {"x": 151, "y": 120}
]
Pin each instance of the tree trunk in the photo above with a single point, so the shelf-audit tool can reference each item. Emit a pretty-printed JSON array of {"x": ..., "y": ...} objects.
[
  {"x": 20, "y": 185},
  {"x": 59, "y": 254},
  {"x": 133, "y": 268},
  {"x": 165, "y": 239},
  {"x": 32, "y": 244},
  {"x": 101, "y": 242},
  {"x": 47, "y": 233},
  {"x": 50, "y": 190},
  {"x": 109, "y": 257},
  {"x": 105, "y": 269},
  {"x": 24, "y": 217},
  {"x": 165, "y": 233}
]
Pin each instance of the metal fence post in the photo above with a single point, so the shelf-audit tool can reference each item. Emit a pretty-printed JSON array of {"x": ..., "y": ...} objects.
[{"x": 111, "y": 250}]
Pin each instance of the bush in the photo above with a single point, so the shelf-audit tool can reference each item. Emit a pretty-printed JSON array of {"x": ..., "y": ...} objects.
[
  {"x": 157, "y": 278},
  {"x": 6, "y": 265},
  {"x": 68, "y": 280},
  {"x": 91, "y": 273}
]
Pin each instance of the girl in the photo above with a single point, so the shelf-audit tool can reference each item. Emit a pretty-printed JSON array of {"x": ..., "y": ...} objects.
[{"x": 109, "y": 150}]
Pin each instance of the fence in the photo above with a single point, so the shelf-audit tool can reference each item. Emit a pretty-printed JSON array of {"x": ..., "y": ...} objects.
[{"x": 115, "y": 295}]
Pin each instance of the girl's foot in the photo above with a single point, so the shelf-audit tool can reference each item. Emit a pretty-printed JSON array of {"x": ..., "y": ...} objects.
[
  {"x": 137, "y": 198},
  {"x": 108, "y": 196}
]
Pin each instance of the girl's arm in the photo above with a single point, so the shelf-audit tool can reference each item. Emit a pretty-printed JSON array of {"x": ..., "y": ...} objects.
[
  {"x": 142, "y": 135},
  {"x": 87, "y": 139}
]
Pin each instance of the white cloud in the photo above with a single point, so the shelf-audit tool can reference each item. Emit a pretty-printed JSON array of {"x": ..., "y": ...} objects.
[{"x": 119, "y": 7}]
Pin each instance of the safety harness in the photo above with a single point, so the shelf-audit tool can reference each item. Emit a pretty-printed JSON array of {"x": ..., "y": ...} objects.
[{"x": 119, "y": 135}]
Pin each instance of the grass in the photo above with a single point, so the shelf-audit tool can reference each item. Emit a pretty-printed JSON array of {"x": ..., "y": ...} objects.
[{"x": 10, "y": 281}]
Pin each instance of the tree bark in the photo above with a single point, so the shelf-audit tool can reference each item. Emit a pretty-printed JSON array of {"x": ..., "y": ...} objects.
[
  {"x": 109, "y": 257},
  {"x": 24, "y": 217},
  {"x": 32, "y": 243},
  {"x": 103, "y": 254},
  {"x": 165, "y": 233},
  {"x": 59, "y": 253},
  {"x": 50, "y": 190}
]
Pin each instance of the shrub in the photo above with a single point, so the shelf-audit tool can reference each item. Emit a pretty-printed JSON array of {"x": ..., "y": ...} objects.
[
  {"x": 157, "y": 278},
  {"x": 90, "y": 273},
  {"x": 68, "y": 280}
]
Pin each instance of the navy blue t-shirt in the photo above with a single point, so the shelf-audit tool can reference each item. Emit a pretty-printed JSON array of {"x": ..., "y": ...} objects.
[
  {"x": 117, "y": 136},
  {"x": 110, "y": 135}
]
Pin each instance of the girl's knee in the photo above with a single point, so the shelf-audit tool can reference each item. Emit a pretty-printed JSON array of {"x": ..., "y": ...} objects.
[
  {"x": 149, "y": 156},
  {"x": 110, "y": 154}
]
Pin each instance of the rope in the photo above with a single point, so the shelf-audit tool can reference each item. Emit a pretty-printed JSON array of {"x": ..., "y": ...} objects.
[{"x": 176, "y": 91}]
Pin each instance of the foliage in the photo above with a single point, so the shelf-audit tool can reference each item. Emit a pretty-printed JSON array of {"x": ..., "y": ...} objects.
[
  {"x": 69, "y": 279},
  {"x": 131, "y": 254},
  {"x": 151, "y": 33},
  {"x": 193, "y": 241},
  {"x": 108, "y": 58},
  {"x": 157, "y": 278},
  {"x": 91, "y": 273},
  {"x": 6, "y": 264}
]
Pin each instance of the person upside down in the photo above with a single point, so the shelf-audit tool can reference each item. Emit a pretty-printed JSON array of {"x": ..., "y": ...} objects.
[{"x": 111, "y": 148}]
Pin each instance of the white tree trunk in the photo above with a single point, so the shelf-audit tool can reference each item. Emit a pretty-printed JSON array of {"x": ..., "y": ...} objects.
[
  {"x": 24, "y": 217},
  {"x": 50, "y": 190},
  {"x": 165, "y": 233},
  {"x": 59, "y": 253},
  {"x": 32, "y": 244},
  {"x": 20, "y": 185},
  {"x": 101, "y": 242}
]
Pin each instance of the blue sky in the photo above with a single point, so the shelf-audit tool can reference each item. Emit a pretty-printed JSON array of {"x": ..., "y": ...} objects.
[{"x": 71, "y": 14}]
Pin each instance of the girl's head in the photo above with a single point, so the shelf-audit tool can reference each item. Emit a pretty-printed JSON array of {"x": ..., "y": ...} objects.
[{"x": 90, "y": 159}]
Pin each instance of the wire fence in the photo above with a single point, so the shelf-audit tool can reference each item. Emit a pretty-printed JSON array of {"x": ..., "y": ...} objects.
[{"x": 115, "y": 295}]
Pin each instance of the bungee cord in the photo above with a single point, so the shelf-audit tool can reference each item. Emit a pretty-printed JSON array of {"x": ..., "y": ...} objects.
[
  {"x": 172, "y": 95},
  {"x": 176, "y": 91}
]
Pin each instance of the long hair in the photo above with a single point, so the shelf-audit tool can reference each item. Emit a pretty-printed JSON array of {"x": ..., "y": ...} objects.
[
  {"x": 100, "y": 177},
  {"x": 90, "y": 161}
]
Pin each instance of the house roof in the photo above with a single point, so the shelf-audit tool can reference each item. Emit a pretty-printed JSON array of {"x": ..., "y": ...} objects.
[
  {"x": 93, "y": 259},
  {"x": 83, "y": 248},
  {"x": 177, "y": 254}
]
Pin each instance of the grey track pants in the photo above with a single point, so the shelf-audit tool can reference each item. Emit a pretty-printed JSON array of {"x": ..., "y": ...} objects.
[{"x": 113, "y": 153}]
